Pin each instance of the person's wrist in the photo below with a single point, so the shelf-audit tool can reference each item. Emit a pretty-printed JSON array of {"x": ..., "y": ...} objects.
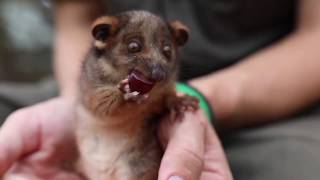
[
  {"x": 68, "y": 90},
  {"x": 223, "y": 91},
  {"x": 69, "y": 96}
]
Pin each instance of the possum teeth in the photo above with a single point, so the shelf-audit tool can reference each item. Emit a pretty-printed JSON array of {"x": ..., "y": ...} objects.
[{"x": 131, "y": 95}]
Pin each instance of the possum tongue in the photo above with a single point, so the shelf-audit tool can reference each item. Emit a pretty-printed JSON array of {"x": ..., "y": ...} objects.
[{"x": 138, "y": 82}]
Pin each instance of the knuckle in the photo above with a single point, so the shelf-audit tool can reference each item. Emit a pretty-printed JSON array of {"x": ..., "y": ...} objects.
[
  {"x": 191, "y": 156},
  {"x": 20, "y": 115},
  {"x": 190, "y": 165},
  {"x": 197, "y": 121}
]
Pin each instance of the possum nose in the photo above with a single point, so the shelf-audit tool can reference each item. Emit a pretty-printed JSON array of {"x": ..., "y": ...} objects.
[{"x": 156, "y": 72}]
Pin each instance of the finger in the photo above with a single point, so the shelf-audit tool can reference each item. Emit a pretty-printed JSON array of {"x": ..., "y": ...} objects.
[
  {"x": 67, "y": 176},
  {"x": 18, "y": 136},
  {"x": 184, "y": 154},
  {"x": 54, "y": 175},
  {"x": 215, "y": 162}
]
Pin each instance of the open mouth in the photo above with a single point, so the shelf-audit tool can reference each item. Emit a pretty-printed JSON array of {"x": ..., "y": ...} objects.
[{"x": 140, "y": 83}]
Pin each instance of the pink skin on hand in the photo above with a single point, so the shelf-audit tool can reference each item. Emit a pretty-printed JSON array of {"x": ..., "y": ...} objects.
[
  {"x": 195, "y": 155},
  {"x": 37, "y": 142}
]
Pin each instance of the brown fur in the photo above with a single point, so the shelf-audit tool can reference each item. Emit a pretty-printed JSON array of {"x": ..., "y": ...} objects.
[{"x": 117, "y": 138}]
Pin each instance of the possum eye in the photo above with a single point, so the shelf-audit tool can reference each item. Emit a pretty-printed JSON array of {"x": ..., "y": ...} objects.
[
  {"x": 134, "y": 47},
  {"x": 167, "y": 51}
]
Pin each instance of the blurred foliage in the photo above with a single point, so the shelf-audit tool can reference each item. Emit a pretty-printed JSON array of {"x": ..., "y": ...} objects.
[{"x": 25, "y": 40}]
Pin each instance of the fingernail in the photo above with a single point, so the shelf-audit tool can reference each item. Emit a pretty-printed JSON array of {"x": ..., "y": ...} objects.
[{"x": 175, "y": 178}]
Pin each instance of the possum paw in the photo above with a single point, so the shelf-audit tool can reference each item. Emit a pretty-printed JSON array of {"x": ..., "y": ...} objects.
[
  {"x": 182, "y": 104},
  {"x": 123, "y": 86}
]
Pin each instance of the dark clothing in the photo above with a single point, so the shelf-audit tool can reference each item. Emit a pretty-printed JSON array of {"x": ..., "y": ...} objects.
[
  {"x": 288, "y": 150},
  {"x": 222, "y": 31}
]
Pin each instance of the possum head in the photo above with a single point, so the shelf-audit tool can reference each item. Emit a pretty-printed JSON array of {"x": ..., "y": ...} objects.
[{"x": 138, "y": 45}]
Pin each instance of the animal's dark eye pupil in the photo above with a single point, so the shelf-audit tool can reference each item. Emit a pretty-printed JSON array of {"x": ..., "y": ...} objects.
[
  {"x": 167, "y": 51},
  {"x": 134, "y": 47}
]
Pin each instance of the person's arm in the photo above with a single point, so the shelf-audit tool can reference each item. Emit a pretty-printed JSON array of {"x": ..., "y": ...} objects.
[
  {"x": 272, "y": 83},
  {"x": 72, "y": 40}
]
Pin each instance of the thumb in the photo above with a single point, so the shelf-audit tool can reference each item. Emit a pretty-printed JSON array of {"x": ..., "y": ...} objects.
[
  {"x": 18, "y": 136},
  {"x": 183, "y": 159}
]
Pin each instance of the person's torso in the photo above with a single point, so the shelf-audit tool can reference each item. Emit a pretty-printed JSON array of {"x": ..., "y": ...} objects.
[{"x": 222, "y": 31}]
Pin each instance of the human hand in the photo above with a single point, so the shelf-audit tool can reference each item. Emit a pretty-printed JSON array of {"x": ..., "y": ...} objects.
[
  {"x": 193, "y": 150},
  {"x": 35, "y": 142},
  {"x": 40, "y": 138}
]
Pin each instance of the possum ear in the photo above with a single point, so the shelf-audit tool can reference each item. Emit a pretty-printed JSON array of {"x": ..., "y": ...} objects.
[
  {"x": 180, "y": 32},
  {"x": 104, "y": 27}
]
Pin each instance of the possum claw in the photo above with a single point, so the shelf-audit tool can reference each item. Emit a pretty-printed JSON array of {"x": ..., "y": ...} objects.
[
  {"x": 123, "y": 86},
  {"x": 182, "y": 104}
]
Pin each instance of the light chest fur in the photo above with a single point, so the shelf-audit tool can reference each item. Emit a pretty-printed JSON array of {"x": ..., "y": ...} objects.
[{"x": 108, "y": 149}]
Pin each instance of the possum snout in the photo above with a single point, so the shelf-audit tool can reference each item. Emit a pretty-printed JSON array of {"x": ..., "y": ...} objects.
[{"x": 156, "y": 71}]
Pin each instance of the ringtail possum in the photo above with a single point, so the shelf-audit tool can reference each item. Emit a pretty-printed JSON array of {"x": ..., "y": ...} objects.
[{"x": 127, "y": 83}]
